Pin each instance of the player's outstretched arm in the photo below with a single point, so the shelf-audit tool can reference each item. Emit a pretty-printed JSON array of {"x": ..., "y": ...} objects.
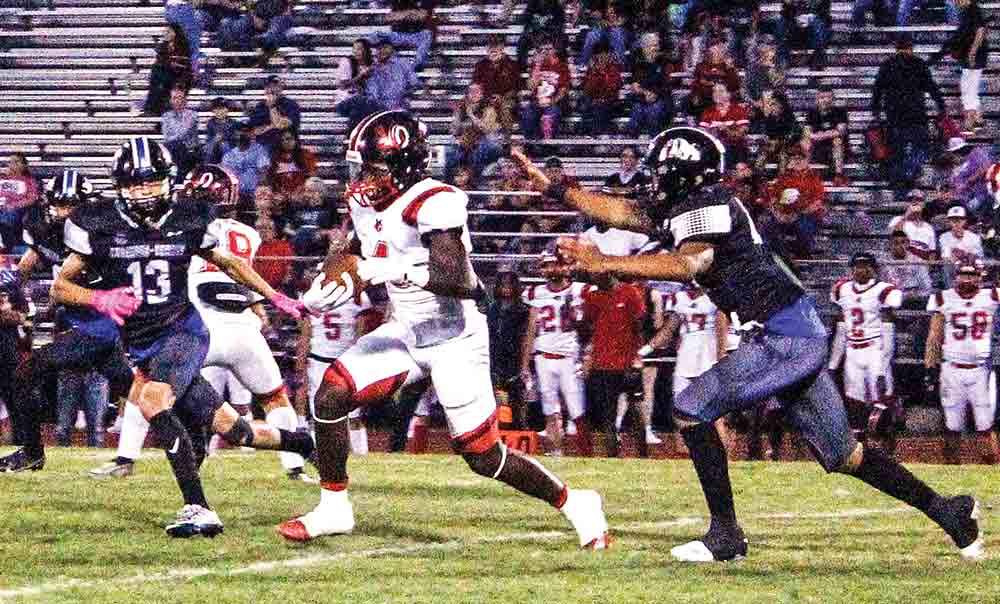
[
  {"x": 692, "y": 259},
  {"x": 611, "y": 210},
  {"x": 118, "y": 303},
  {"x": 241, "y": 272}
]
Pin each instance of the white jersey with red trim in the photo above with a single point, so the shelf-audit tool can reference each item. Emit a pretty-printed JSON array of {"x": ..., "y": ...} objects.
[
  {"x": 968, "y": 328},
  {"x": 333, "y": 332},
  {"x": 234, "y": 239},
  {"x": 697, "y": 344},
  {"x": 395, "y": 231},
  {"x": 558, "y": 313},
  {"x": 863, "y": 305}
]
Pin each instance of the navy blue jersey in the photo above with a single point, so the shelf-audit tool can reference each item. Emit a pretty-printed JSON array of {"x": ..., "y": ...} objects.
[
  {"x": 745, "y": 277},
  {"x": 44, "y": 236},
  {"x": 154, "y": 262}
]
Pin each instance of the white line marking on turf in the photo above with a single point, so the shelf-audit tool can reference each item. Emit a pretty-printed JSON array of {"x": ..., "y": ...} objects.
[{"x": 418, "y": 548}]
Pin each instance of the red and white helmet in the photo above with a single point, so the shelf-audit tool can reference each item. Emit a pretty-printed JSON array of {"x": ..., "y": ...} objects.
[{"x": 993, "y": 182}]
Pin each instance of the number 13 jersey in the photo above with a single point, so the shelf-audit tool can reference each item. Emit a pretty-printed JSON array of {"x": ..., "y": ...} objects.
[{"x": 968, "y": 327}]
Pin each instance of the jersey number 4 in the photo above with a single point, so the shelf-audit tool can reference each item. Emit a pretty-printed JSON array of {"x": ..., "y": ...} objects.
[{"x": 156, "y": 273}]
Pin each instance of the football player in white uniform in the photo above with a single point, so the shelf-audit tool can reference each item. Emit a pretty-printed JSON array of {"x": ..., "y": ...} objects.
[
  {"x": 411, "y": 232},
  {"x": 234, "y": 317},
  {"x": 323, "y": 338},
  {"x": 554, "y": 343},
  {"x": 959, "y": 349},
  {"x": 865, "y": 341}
]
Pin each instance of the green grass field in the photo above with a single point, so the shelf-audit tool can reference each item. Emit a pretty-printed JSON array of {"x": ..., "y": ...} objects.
[{"x": 431, "y": 531}]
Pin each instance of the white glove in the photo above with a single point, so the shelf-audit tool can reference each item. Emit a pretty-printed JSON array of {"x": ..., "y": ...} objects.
[
  {"x": 321, "y": 298},
  {"x": 386, "y": 270}
]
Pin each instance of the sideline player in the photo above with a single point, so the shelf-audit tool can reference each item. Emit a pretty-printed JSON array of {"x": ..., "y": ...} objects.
[
  {"x": 865, "y": 339},
  {"x": 716, "y": 242},
  {"x": 412, "y": 232},
  {"x": 84, "y": 338},
  {"x": 234, "y": 317},
  {"x": 552, "y": 339},
  {"x": 138, "y": 250},
  {"x": 959, "y": 348}
]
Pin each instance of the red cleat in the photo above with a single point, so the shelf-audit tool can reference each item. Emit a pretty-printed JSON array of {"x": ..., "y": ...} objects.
[
  {"x": 602, "y": 542},
  {"x": 294, "y": 530}
]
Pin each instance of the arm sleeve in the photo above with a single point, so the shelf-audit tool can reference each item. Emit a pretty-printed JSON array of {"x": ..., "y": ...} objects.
[
  {"x": 76, "y": 238},
  {"x": 707, "y": 222}
]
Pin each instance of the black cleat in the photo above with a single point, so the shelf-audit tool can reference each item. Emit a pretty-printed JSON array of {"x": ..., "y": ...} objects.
[
  {"x": 19, "y": 461},
  {"x": 959, "y": 516},
  {"x": 718, "y": 545}
]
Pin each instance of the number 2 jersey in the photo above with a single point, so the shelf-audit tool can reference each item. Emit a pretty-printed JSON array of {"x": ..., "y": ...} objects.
[
  {"x": 153, "y": 261},
  {"x": 968, "y": 327},
  {"x": 558, "y": 313},
  {"x": 863, "y": 305}
]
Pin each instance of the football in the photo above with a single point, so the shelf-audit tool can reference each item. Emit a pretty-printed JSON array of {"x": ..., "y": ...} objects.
[{"x": 336, "y": 264}]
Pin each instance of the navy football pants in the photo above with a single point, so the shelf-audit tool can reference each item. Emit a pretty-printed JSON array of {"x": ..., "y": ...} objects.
[{"x": 792, "y": 369}]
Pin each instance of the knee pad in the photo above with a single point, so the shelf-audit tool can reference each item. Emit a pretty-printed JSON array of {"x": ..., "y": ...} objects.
[
  {"x": 271, "y": 400},
  {"x": 488, "y": 463},
  {"x": 335, "y": 398},
  {"x": 240, "y": 435}
]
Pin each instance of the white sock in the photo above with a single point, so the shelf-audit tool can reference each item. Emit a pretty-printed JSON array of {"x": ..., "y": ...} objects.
[
  {"x": 133, "y": 434},
  {"x": 328, "y": 497},
  {"x": 359, "y": 441},
  {"x": 622, "y": 408},
  {"x": 285, "y": 419}
]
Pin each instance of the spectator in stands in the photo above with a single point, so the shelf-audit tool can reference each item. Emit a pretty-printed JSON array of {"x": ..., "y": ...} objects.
[
  {"x": 601, "y": 86},
  {"x": 765, "y": 71},
  {"x": 509, "y": 179},
  {"x": 211, "y": 13},
  {"x": 796, "y": 201},
  {"x": 614, "y": 314},
  {"x": 548, "y": 86},
  {"x": 283, "y": 188},
  {"x": 275, "y": 115},
  {"x": 310, "y": 221},
  {"x": 911, "y": 275},
  {"x": 389, "y": 85},
  {"x": 172, "y": 69},
  {"x": 729, "y": 121},
  {"x": 544, "y": 22},
  {"x": 472, "y": 149},
  {"x": 219, "y": 131},
  {"x": 920, "y": 234},
  {"x": 500, "y": 79},
  {"x": 803, "y": 23},
  {"x": 826, "y": 134},
  {"x": 549, "y": 223},
  {"x": 181, "y": 17},
  {"x": 274, "y": 256},
  {"x": 628, "y": 181},
  {"x": 352, "y": 71},
  {"x": 412, "y": 26},
  {"x": 746, "y": 185},
  {"x": 265, "y": 28},
  {"x": 773, "y": 117},
  {"x": 651, "y": 105},
  {"x": 970, "y": 45},
  {"x": 475, "y": 109},
  {"x": 18, "y": 190},
  {"x": 180, "y": 133},
  {"x": 718, "y": 67},
  {"x": 906, "y": 8},
  {"x": 249, "y": 160},
  {"x": 611, "y": 30},
  {"x": 884, "y": 12},
  {"x": 958, "y": 244},
  {"x": 86, "y": 391},
  {"x": 963, "y": 170},
  {"x": 902, "y": 81}
]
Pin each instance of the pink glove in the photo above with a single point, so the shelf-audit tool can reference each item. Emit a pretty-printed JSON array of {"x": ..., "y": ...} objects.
[
  {"x": 288, "y": 306},
  {"x": 119, "y": 303}
]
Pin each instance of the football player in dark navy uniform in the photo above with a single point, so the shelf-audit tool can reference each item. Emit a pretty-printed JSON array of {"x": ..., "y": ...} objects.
[
  {"x": 717, "y": 244},
  {"x": 84, "y": 338},
  {"x": 138, "y": 250}
]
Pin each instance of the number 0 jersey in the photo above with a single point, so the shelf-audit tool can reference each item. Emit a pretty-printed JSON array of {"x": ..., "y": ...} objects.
[
  {"x": 968, "y": 328},
  {"x": 745, "y": 277},
  {"x": 235, "y": 239},
  {"x": 154, "y": 262},
  {"x": 698, "y": 345},
  {"x": 558, "y": 313}
]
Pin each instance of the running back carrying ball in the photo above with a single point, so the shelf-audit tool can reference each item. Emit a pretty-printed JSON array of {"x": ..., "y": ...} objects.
[{"x": 338, "y": 280}]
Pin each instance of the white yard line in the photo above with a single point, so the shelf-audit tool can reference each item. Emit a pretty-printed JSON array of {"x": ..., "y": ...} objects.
[{"x": 322, "y": 559}]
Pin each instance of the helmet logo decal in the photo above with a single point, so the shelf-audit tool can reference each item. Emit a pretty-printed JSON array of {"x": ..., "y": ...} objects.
[
  {"x": 397, "y": 137},
  {"x": 680, "y": 148}
]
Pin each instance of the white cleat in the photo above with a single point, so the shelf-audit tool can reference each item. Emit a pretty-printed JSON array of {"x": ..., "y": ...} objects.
[
  {"x": 583, "y": 508},
  {"x": 692, "y": 551},
  {"x": 299, "y": 475},
  {"x": 195, "y": 520},
  {"x": 325, "y": 519},
  {"x": 652, "y": 438},
  {"x": 112, "y": 469},
  {"x": 976, "y": 551}
]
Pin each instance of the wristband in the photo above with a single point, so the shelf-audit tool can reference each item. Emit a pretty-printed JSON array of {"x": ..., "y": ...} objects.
[
  {"x": 645, "y": 351},
  {"x": 556, "y": 191}
]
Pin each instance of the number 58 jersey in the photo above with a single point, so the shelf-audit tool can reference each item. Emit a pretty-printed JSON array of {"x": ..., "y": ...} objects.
[{"x": 968, "y": 328}]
